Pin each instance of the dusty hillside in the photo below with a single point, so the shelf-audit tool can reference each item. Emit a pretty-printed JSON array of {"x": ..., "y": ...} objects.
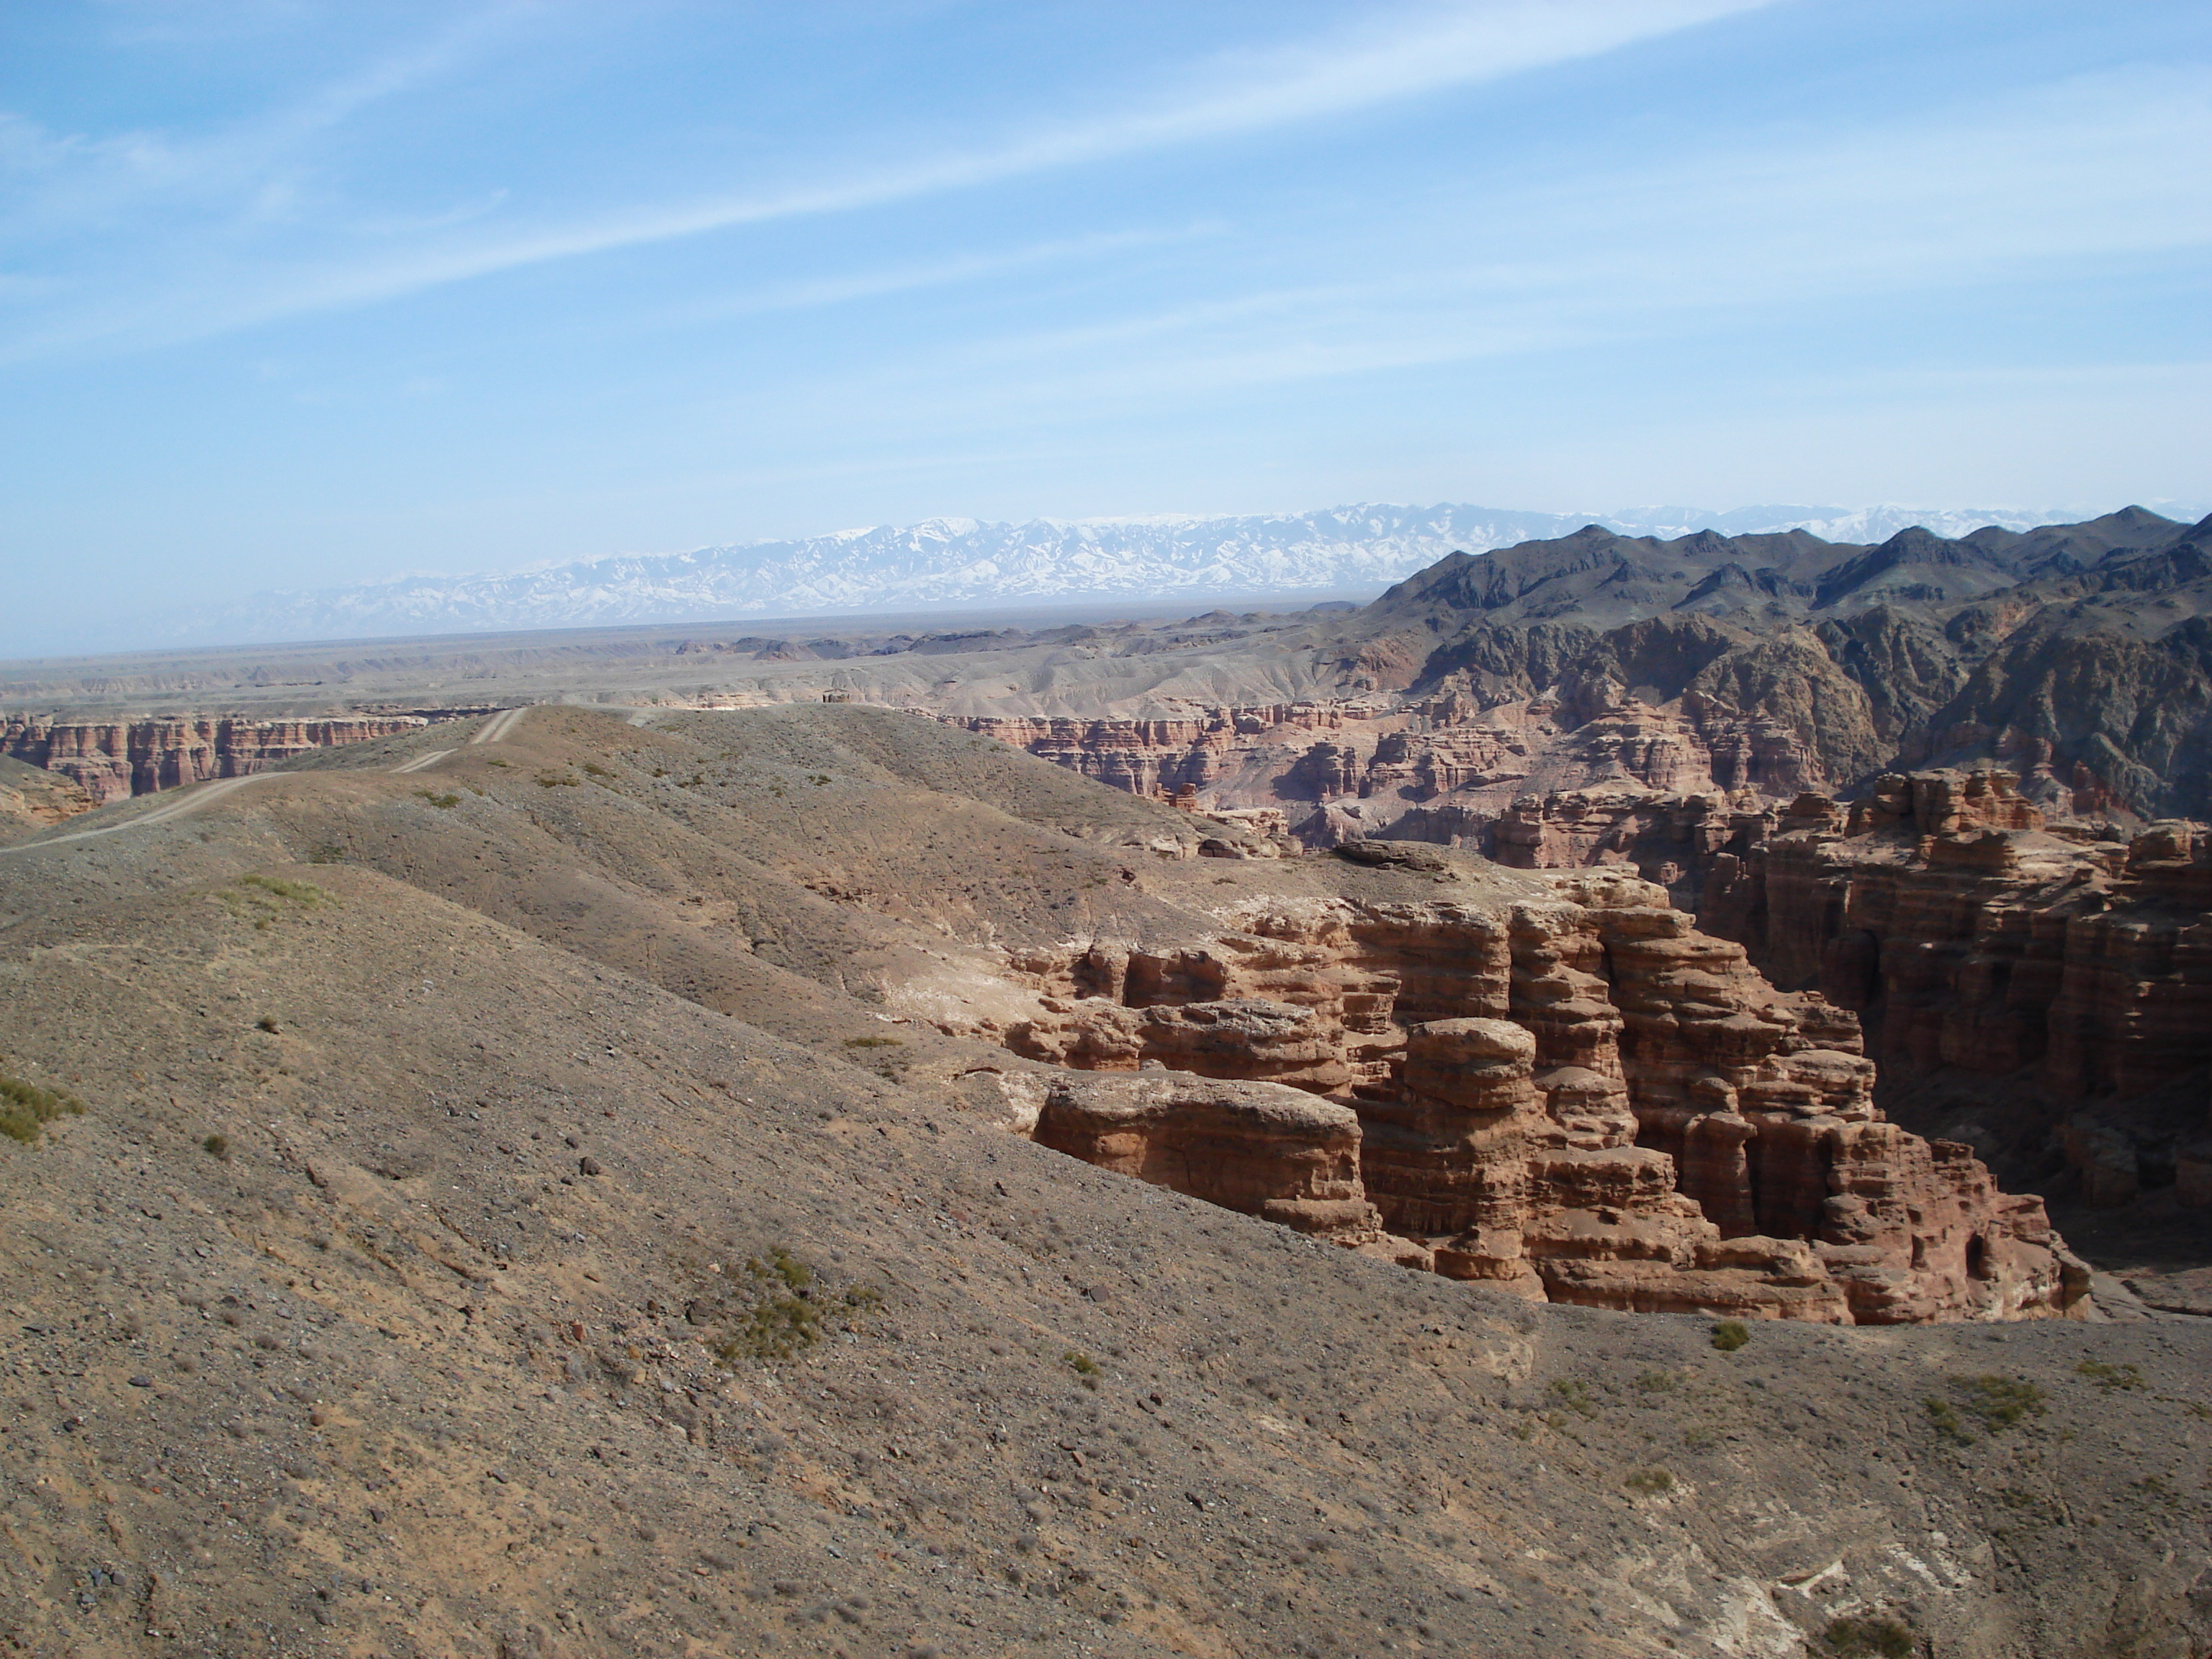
[
  {"x": 450, "y": 1343},
  {"x": 31, "y": 796}
]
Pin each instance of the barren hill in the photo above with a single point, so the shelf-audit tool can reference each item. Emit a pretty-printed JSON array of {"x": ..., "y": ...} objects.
[{"x": 570, "y": 1198}]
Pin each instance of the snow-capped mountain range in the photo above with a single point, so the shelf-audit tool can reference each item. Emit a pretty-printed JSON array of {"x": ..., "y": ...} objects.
[{"x": 962, "y": 563}]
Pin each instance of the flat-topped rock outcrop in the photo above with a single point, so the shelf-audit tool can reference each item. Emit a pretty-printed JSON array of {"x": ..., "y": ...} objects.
[
  {"x": 1280, "y": 1153},
  {"x": 1577, "y": 1097}
]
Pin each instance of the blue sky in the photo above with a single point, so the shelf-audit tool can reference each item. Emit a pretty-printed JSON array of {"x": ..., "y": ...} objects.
[{"x": 293, "y": 294}]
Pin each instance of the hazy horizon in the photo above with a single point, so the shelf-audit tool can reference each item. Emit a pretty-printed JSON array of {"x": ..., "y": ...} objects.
[{"x": 955, "y": 570}]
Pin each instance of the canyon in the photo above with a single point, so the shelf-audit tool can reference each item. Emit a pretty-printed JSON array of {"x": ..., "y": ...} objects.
[
  {"x": 873, "y": 1186},
  {"x": 1551, "y": 1083},
  {"x": 1877, "y": 769},
  {"x": 2076, "y": 656},
  {"x": 1576, "y": 1097},
  {"x": 1880, "y": 770},
  {"x": 115, "y": 760},
  {"x": 1935, "y": 781},
  {"x": 2036, "y": 987}
]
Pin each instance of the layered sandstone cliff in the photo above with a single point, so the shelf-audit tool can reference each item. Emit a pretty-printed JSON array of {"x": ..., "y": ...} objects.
[
  {"x": 2053, "y": 982},
  {"x": 114, "y": 760},
  {"x": 2042, "y": 983},
  {"x": 1454, "y": 749},
  {"x": 1266, "y": 1149},
  {"x": 1580, "y": 1097},
  {"x": 1166, "y": 757}
]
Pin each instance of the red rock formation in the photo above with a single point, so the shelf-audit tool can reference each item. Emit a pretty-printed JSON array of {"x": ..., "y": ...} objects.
[
  {"x": 1451, "y": 752},
  {"x": 1161, "y": 756},
  {"x": 1324, "y": 772},
  {"x": 115, "y": 760},
  {"x": 1654, "y": 834},
  {"x": 2133, "y": 1006},
  {"x": 1245, "y": 1038},
  {"x": 1584, "y": 1098},
  {"x": 1420, "y": 766},
  {"x": 1981, "y": 948},
  {"x": 1277, "y": 1152}
]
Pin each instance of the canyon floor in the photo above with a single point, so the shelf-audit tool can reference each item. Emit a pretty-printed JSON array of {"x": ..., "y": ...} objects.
[{"x": 521, "y": 1204}]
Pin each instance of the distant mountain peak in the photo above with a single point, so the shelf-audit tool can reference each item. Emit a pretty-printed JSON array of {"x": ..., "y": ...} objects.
[{"x": 1357, "y": 549}]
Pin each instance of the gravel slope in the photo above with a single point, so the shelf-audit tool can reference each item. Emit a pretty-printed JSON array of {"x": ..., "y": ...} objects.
[{"x": 422, "y": 1360}]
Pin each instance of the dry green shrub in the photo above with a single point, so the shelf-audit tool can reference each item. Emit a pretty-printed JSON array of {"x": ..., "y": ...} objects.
[
  {"x": 262, "y": 899},
  {"x": 776, "y": 1308},
  {"x": 1576, "y": 1396},
  {"x": 1874, "y": 1636},
  {"x": 26, "y": 1108},
  {"x": 782, "y": 1321},
  {"x": 2110, "y": 1378},
  {"x": 1995, "y": 1403},
  {"x": 1731, "y": 1334},
  {"x": 299, "y": 892},
  {"x": 2001, "y": 1401},
  {"x": 1649, "y": 1482}
]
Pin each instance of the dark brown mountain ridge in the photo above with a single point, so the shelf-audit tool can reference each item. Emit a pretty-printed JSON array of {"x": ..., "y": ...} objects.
[{"x": 2080, "y": 649}]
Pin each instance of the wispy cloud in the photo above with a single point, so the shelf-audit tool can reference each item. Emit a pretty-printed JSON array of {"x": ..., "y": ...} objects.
[
  {"x": 52, "y": 182},
  {"x": 1442, "y": 48},
  {"x": 907, "y": 278},
  {"x": 2100, "y": 167}
]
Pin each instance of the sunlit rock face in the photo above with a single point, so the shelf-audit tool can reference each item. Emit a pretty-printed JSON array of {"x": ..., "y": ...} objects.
[
  {"x": 1264, "y": 1149},
  {"x": 1582, "y": 1098}
]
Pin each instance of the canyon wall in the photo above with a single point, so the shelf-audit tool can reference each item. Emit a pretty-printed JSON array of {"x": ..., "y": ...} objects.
[
  {"x": 1417, "y": 750},
  {"x": 2052, "y": 984},
  {"x": 1579, "y": 1097},
  {"x": 1166, "y": 757},
  {"x": 1450, "y": 768},
  {"x": 2039, "y": 987},
  {"x": 114, "y": 760},
  {"x": 2031, "y": 980}
]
